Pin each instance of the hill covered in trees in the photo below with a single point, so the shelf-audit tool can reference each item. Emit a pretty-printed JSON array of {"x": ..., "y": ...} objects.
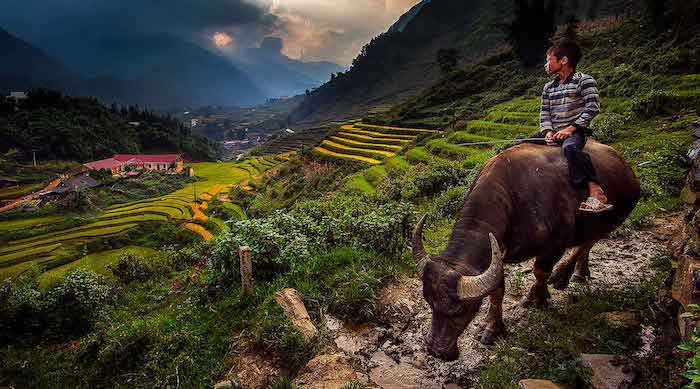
[{"x": 83, "y": 129}]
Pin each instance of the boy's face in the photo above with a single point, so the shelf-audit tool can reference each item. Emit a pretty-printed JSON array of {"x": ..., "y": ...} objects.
[{"x": 554, "y": 65}]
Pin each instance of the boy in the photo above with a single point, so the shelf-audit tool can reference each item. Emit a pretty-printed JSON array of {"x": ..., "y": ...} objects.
[{"x": 569, "y": 102}]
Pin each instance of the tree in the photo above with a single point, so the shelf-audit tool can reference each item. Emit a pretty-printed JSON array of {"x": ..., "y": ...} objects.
[{"x": 531, "y": 28}]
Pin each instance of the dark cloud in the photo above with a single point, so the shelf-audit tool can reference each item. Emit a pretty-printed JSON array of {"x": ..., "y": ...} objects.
[{"x": 35, "y": 19}]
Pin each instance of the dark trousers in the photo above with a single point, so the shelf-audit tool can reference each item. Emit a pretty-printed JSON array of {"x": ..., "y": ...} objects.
[{"x": 581, "y": 169}]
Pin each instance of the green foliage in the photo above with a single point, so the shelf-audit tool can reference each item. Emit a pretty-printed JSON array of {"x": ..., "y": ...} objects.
[
  {"x": 20, "y": 304},
  {"x": 449, "y": 202},
  {"x": 286, "y": 238},
  {"x": 80, "y": 128},
  {"x": 354, "y": 293},
  {"x": 77, "y": 301},
  {"x": 167, "y": 234},
  {"x": 656, "y": 102},
  {"x": 131, "y": 267},
  {"x": 147, "y": 185},
  {"x": 692, "y": 349},
  {"x": 607, "y": 126},
  {"x": 424, "y": 179}
]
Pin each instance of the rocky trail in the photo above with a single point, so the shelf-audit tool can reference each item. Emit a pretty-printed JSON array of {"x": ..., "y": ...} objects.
[{"x": 392, "y": 355}]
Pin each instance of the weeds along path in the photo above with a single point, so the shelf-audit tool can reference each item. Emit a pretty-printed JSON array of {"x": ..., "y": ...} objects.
[{"x": 393, "y": 355}]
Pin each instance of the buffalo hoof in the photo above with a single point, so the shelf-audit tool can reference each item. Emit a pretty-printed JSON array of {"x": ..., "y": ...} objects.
[
  {"x": 489, "y": 336},
  {"x": 536, "y": 298},
  {"x": 559, "y": 281},
  {"x": 579, "y": 279}
]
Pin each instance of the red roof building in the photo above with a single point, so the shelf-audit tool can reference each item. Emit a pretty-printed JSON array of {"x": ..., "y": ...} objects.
[
  {"x": 118, "y": 162},
  {"x": 110, "y": 164}
]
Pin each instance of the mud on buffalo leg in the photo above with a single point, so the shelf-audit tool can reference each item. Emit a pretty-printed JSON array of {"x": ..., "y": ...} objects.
[
  {"x": 576, "y": 261},
  {"x": 539, "y": 294},
  {"x": 494, "y": 327},
  {"x": 582, "y": 272}
]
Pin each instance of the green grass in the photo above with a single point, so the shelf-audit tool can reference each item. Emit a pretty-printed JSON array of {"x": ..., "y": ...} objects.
[
  {"x": 377, "y": 134},
  {"x": 519, "y": 104},
  {"x": 373, "y": 139},
  {"x": 96, "y": 262},
  {"x": 375, "y": 154},
  {"x": 549, "y": 342},
  {"x": 66, "y": 237},
  {"x": 7, "y": 225},
  {"x": 471, "y": 156},
  {"x": 34, "y": 252},
  {"x": 397, "y": 163},
  {"x": 170, "y": 211},
  {"x": 418, "y": 154},
  {"x": 236, "y": 208},
  {"x": 501, "y": 130},
  {"x": 21, "y": 190},
  {"x": 360, "y": 184},
  {"x": 529, "y": 118}
]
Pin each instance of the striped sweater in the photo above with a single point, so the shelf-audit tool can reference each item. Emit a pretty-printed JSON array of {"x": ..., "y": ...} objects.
[{"x": 574, "y": 103}]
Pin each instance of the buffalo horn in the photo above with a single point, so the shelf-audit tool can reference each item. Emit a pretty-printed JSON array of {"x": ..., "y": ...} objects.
[
  {"x": 478, "y": 287},
  {"x": 417, "y": 246}
]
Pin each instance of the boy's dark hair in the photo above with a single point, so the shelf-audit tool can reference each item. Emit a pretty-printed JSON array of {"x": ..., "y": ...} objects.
[{"x": 567, "y": 48}]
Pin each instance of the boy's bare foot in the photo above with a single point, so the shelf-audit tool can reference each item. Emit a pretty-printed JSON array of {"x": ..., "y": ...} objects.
[{"x": 597, "y": 201}]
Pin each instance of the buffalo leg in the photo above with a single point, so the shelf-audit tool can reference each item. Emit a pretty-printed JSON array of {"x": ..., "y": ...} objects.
[
  {"x": 576, "y": 263},
  {"x": 494, "y": 327},
  {"x": 539, "y": 294},
  {"x": 582, "y": 272}
]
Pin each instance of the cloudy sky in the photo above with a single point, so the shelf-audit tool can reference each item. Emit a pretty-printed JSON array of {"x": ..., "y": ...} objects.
[{"x": 332, "y": 30}]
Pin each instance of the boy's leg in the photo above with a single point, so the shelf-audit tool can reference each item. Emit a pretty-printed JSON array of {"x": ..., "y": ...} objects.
[{"x": 580, "y": 167}]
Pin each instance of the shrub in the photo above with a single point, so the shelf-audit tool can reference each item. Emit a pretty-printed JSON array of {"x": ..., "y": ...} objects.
[
  {"x": 20, "y": 304},
  {"x": 448, "y": 203},
  {"x": 285, "y": 238},
  {"x": 654, "y": 103},
  {"x": 606, "y": 126},
  {"x": 131, "y": 267},
  {"x": 424, "y": 179},
  {"x": 354, "y": 294},
  {"x": 79, "y": 298}
]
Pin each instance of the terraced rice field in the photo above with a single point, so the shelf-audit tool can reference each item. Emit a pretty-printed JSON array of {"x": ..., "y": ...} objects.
[
  {"x": 293, "y": 142},
  {"x": 179, "y": 206},
  {"x": 369, "y": 143}
]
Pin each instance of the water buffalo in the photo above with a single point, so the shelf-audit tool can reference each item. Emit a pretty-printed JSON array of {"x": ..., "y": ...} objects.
[{"x": 521, "y": 205}]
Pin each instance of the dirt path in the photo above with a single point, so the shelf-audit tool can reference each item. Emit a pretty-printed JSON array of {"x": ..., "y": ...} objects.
[
  {"x": 32, "y": 196},
  {"x": 393, "y": 353}
]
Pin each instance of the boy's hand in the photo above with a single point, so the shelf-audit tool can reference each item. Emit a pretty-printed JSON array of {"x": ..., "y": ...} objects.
[
  {"x": 549, "y": 137},
  {"x": 565, "y": 133}
]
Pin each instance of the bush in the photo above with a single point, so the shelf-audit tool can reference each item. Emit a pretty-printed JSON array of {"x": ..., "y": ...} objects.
[
  {"x": 77, "y": 301},
  {"x": 449, "y": 202},
  {"x": 285, "y": 238},
  {"x": 354, "y": 294},
  {"x": 424, "y": 179},
  {"x": 606, "y": 126},
  {"x": 131, "y": 267},
  {"x": 654, "y": 103},
  {"x": 20, "y": 305}
]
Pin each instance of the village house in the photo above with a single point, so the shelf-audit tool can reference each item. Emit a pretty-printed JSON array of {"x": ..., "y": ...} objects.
[{"x": 119, "y": 162}]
